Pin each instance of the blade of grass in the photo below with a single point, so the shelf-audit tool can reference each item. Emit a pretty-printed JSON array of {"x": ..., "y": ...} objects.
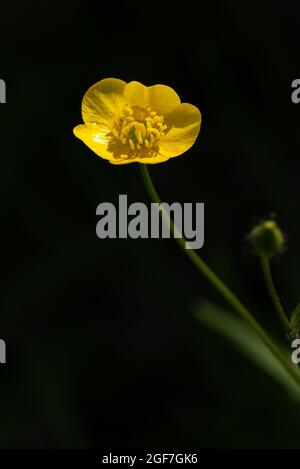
[{"x": 247, "y": 342}]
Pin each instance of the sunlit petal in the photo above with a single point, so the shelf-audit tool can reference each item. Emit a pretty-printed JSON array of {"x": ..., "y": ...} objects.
[
  {"x": 103, "y": 101},
  {"x": 184, "y": 124},
  {"x": 162, "y": 99},
  {"x": 136, "y": 94}
]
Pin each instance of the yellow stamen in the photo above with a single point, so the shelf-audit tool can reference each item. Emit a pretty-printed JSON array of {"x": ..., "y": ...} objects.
[{"x": 139, "y": 128}]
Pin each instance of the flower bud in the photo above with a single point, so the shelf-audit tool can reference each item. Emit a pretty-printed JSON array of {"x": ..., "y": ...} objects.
[{"x": 267, "y": 239}]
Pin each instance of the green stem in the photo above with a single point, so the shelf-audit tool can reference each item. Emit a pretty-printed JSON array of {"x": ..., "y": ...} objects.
[
  {"x": 230, "y": 297},
  {"x": 265, "y": 264}
]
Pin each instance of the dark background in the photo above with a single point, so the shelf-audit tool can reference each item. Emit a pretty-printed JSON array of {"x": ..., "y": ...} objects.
[{"x": 102, "y": 348}]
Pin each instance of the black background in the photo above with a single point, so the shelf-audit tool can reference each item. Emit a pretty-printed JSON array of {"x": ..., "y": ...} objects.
[{"x": 102, "y": 348}]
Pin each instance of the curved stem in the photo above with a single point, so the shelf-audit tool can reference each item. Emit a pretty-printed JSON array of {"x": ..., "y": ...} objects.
[
  {"x": 265, "y": 264},
  {"x": 230, "y": 297}
]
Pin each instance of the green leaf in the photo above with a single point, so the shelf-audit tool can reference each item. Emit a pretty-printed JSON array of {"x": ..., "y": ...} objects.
[{"x": 247, "y": 342}]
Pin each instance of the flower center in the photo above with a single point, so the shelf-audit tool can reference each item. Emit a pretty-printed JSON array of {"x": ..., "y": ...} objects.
[{"x": 139, "y": 127}]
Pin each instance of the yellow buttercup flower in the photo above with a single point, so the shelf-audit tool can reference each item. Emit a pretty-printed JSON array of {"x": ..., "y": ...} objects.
[{"x": 130, "y": 122}]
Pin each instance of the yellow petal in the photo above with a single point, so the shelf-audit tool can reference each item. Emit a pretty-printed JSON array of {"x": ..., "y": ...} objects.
[
  {"x": 152, "y": 160},
  {"x": 136, "y": 94},
  {"x": 103, "y": 102},
  {"x": 99, "y": 141},
  {"x": 95, "y": 137},
  {"x": 162, "y": 99},
  {"x": 184, "y": 124},
  {"x": 159, "y": 98}
]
